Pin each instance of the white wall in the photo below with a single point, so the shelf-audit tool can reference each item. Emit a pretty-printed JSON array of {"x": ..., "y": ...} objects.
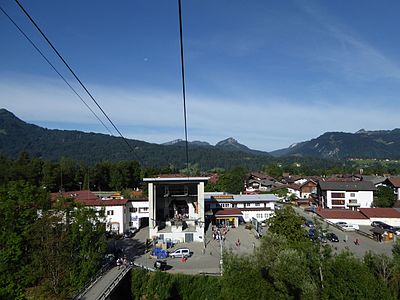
[
  {"x": 259, "y": 215},
  {"x": 301, "y": 181},
  {"x": 117, "y": 216},
  {"x": 292, "y": 191},
  {"x": 364, "y": 198},
  {"x": 134, "y": 217}
]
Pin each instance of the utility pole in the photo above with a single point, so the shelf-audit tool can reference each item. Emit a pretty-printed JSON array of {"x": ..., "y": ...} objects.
[{"x": 221, "y": 261}]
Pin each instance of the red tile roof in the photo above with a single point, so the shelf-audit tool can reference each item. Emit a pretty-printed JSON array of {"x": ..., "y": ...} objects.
[
  {"x": 377, "y": 212},
  {"x": 229, "y": 212},
  {"x": 176, "y": 175},
  {"x": 340, "y": 214},
  {"x": 88, "y": 198},
  {"x": 395, "y": 181}
]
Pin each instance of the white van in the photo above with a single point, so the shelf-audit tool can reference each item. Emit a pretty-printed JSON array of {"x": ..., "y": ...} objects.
[
  {"x": 181, "y": 252},
  {"x": 347, "y": 226}
]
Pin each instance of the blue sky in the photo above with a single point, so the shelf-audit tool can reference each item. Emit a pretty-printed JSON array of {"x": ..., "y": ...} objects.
[{"x": 268, "y": 73}]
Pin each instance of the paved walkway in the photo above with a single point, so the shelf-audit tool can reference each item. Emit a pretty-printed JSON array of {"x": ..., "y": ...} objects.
[{"x": 100, "y": 286}]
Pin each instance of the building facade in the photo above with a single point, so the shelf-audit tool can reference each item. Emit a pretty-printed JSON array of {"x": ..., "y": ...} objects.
[
  {"x": 176, "y": 208},
  {"x": 346, "y": 195},
  {"x": 260, "y": 206}
]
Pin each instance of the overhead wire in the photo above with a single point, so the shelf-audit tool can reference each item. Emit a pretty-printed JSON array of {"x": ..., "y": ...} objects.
[
  {"x": 75, "y": 76},
  {"x": 183, "y": 83},
  {"x": 54, "y": 68}
]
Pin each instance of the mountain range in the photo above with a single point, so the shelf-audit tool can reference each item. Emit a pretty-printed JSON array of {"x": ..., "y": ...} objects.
[
  {"x": 379, "y": 144},
  {"x": 17, "y": 135}
]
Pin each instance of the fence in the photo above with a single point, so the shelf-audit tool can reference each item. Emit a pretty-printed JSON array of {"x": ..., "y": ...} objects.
[
  {"x": 93, "y": 280},
  {"x": 114, "y": 283}
]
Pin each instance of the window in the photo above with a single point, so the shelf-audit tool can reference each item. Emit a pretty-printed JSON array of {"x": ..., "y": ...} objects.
[
  {"x": 143, "y": 209},
  {"x": 130, "y": 224},
  {"x": 337, "y": 195},
  {"x": 132, "y": 209},
  {"x": 353, "y": 201},
  {"x": 247, "y": 204},
  {"x": 257, "y": 204},
  {"x": 110, "y": 212},
  {"x": 352, "y": 194},
  {"x": 338, "y": 202}
]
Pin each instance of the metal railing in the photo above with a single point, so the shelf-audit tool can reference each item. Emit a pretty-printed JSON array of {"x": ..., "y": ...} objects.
[
  {"x": 114, "y": 283},
  {"x": 93, "y": 280}
]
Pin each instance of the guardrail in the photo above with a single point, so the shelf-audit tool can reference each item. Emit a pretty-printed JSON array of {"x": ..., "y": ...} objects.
[
  {"x": 144, "y": 267},
  {"x": 93, "y": 280},
  {"x": 114, "y": 283}
]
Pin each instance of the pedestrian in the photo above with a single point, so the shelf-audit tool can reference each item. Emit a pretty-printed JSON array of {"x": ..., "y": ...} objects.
[{"x": 356, "y": 242}]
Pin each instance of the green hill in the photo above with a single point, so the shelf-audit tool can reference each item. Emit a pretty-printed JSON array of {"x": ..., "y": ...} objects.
[
  {"x": 17, "y": 135},
  {"x": 381, "y": 144}
]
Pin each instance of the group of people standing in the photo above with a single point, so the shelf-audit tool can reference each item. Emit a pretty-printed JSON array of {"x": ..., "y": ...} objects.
[
  {"x": 122, "y": 262},
  {"x": 220, "y": 233}
]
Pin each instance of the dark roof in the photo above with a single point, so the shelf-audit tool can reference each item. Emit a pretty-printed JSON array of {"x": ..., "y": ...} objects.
[
  {"x": 261, "y": 176},
  {"x": 340, "y": 214},
  {"x": 293, "y": 186},
  {"x": 265, "y": 182},
  {"x": 228, "y": 212},
  {"x": 308, "y": 181},
  {"x": 374, "y": 179},
  {"x": 347, "y": 186},
  {"x": 377, "y": 212}
]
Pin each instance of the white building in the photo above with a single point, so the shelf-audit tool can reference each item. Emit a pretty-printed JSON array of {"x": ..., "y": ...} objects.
[
  {"x": 346, "y": 194},
  {"x": 394, "y": 182},
  {"x": 260, "y": 206},
  {"x": 138, "y": 213},
  {"x": 114, "y": 209},
  {"x": 176, "y": 208}
]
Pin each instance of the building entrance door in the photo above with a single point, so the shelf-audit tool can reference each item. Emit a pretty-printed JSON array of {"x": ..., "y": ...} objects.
[{"x": 188, "y": 237}]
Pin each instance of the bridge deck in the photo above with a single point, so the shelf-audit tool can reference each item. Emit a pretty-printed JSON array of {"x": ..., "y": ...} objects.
[{"x": 97, "y": 290}]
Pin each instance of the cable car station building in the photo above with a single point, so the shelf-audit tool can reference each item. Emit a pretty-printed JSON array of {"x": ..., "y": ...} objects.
[{"x": 176, "y": 208}]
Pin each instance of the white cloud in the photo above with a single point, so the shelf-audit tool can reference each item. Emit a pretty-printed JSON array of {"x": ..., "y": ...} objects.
[
  {"x": 157, "y": 116},
  {"x": 345, "y": 51}
]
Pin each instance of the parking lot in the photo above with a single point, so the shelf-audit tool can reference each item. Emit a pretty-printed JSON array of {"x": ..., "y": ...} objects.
[
  {"x": 204, "y": 260},
  {"x": 207, "y": 260},
  {"x": 347, "y": 239}
]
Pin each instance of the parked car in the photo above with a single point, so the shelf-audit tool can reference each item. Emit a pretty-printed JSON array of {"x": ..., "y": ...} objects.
[
  {"x": 378, "y": 224},
  {"x": 311, "y": 233},
  {"x": 160, "y": 265},
  {"x": 347, "y": 226},
  {"x": 310, "y": 223},
  {"x": 181, "y": 252},
  {"x": 341, "y": 223},
  {"x": 332, "y": 237}
]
